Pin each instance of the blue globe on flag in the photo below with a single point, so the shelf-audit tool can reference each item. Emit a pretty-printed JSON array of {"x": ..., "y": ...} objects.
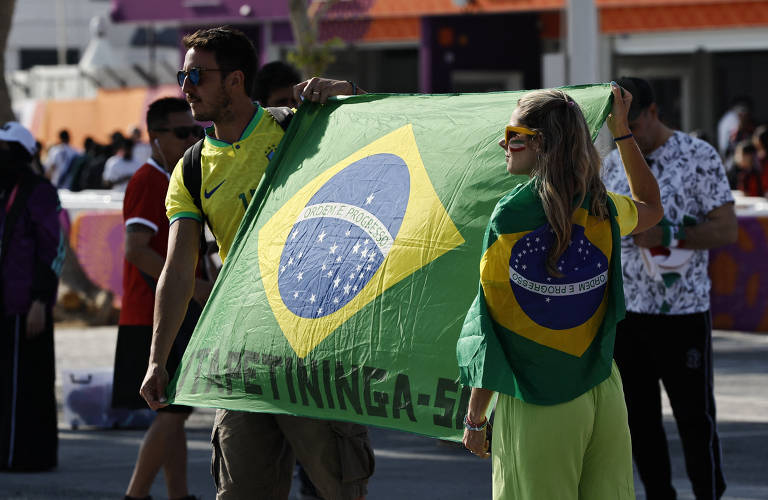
[
  {"x": 558, "y": 303},
  {"x": 343, "y": 235}
]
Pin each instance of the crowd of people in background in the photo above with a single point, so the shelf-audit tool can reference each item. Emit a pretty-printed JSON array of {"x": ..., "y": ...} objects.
[
  {"x": 744, "y": 148},
  {"x": 96, "y": 165}
]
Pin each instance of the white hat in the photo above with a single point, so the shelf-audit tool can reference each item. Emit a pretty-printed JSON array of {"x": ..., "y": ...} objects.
[{"x": 16, "y": 132}]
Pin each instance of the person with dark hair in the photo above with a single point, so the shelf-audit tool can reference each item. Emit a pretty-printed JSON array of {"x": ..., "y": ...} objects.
[
  {"x": 31, "y": 255},
  {"x": 74, "y": 177},
  {"x": 253, "y": 453},
  {"x": 59, "y": 158},
  {"x": 667, "y": 333},
  {"x": 749, "y": 175},
  {"x": 121, "y": 166},
  {"x": 231, "y": 50},
  {"x": 141, "y": 150},
  {"x": 274, "y": 84},
  {"x": 760, "y": 141},
  {"x": 560, "y": 428},
  {"x": 729, "y": 122},
  {"x": 171, "y": 131}
]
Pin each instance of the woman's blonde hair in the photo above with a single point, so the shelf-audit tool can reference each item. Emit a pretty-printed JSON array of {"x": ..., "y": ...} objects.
[{"x": 568, "y": 165}]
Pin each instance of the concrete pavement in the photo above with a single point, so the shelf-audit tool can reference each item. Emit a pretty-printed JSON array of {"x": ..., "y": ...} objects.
[{"x": 96, "y": 464}]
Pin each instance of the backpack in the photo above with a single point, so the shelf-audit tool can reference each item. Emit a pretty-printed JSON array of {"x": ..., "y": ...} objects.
[{"x": 192, "y": 172}]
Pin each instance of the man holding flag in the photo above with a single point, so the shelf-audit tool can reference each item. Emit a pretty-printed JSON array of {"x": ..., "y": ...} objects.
[{"x": 253, "y": 453}]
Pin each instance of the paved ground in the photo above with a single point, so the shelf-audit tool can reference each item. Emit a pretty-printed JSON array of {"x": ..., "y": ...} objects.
[{"x": 96, "y": 464}]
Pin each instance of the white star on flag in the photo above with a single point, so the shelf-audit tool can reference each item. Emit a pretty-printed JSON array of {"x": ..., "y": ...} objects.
[
  {"x": 300, "y": 276},
  {"x": 333, "y": 248},
  {"x": 321, "y": 236},
  {"x": 356, "y": 247},
  {"x": 312, "y": 298},
  {"x": 336, "y": 282},
  {"x": 346, "y": 289},
  {"x": 294, "y": 234},
  {"x": 369, "y": 199}
]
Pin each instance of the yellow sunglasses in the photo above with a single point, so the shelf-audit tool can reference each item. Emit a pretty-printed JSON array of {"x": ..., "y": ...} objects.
[{"x": 511, "y": 131}]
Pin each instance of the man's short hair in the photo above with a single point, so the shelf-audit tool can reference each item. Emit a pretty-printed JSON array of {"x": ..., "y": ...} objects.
[
  {"x": 273, "y": 76},
  {"x": 64, "y": 136},
  {"x": 157, "y": 114},
  {"x": 642, "y": 94},
  {"x": 232, "y": 49}
]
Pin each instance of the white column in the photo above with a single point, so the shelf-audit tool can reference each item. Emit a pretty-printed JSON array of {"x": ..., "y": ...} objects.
[
  {"x": 61, "y": 32},
  {"x": 269, "y": 51},
  {"x": 582, "y": 42}
]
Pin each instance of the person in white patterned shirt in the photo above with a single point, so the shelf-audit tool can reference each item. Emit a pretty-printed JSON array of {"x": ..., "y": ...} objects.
[{"x": 667, "y": 332}]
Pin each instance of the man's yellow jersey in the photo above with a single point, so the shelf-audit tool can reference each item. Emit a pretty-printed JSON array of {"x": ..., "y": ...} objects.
[{"x": 230, "y": 175}]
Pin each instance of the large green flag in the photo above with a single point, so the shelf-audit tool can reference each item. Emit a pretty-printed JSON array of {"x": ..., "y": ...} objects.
[{"x": 354, "y": 266}]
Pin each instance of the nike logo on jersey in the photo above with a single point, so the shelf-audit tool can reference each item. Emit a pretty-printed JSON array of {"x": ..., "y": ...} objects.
[{"x": 208, "y": 194}]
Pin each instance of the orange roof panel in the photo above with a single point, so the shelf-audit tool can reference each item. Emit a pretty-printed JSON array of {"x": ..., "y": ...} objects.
[
  {"x": 615, "y": 20},
  {"x": 418, "y": 8}
]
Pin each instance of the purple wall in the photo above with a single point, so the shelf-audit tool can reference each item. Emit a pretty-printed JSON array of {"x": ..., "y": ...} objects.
[{"x": 198, "y": 11}]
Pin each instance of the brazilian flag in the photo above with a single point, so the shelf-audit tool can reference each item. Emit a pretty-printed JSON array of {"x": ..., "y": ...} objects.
[
  {"x": 544, "y": 339},
  {"x": 348, "y": 281}
]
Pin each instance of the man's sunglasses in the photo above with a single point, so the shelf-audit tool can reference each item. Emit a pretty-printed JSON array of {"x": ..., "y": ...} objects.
[
  {"x": 510, "y": 132},
  {"x": 193, "y": 74},
  {"x": 195, "y": 131}
]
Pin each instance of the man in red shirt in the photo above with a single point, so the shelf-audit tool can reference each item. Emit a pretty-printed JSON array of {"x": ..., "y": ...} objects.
[{"x": 171, "y": 131}]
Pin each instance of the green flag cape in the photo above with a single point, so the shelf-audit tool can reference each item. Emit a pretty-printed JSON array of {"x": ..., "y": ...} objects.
[
  {"x": 544, "y": 339},
  {"x": 348, "y": 281}
]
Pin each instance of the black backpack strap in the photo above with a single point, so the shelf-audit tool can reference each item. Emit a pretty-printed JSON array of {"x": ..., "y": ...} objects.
[
  {"x": 282, "y": 115},
  {"x": 192, "y": 174}
]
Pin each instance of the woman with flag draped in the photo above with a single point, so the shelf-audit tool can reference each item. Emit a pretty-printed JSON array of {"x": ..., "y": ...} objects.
[{"x": 541, "y": 331}]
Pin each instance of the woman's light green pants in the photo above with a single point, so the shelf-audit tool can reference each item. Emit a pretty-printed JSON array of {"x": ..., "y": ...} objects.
[{"x": 580, "y": 449}]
